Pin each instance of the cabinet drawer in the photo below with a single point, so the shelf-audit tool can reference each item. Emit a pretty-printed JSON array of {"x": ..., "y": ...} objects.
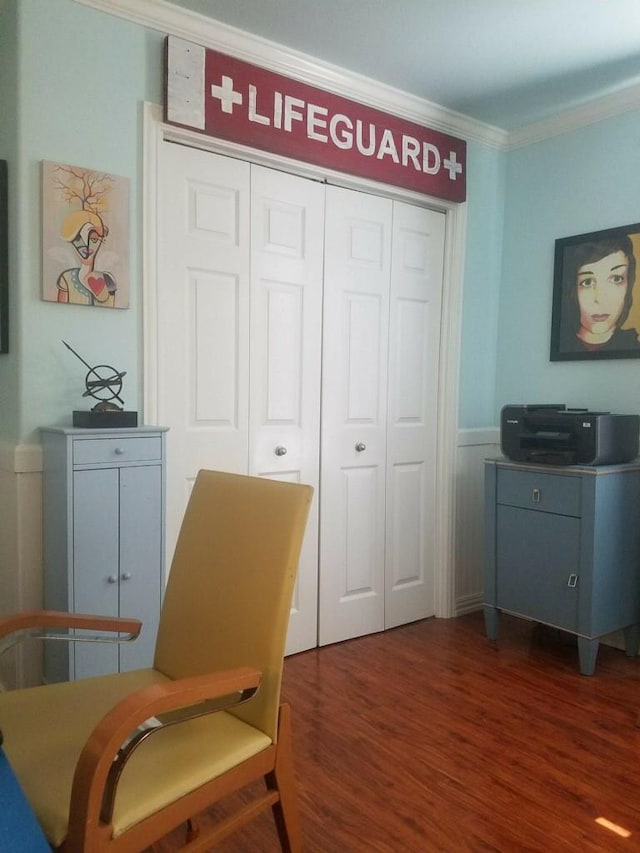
[
  {"x": 115, "y": 450},
  {"x": 544, "y": 492}
]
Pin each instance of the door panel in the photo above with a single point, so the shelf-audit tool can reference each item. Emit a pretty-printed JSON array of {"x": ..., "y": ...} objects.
[
  {"x": 414, "y": 346},
  {"x": 405, "y": 566},
  {"x": 356, "y": 306},
  {"x": 212, "y": 340},
  {"x": 203, "y": 318},
  {"x": 287, "y": 233}
]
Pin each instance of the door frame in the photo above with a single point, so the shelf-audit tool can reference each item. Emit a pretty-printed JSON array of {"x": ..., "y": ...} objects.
[{"x": 156, "y": 131}]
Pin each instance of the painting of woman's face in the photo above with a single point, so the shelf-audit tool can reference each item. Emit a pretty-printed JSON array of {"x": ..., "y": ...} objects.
[
  {"x": 596, "y": 297},
  {"x": 87, "y": 242},
  {"x": 601, "y": 288}
]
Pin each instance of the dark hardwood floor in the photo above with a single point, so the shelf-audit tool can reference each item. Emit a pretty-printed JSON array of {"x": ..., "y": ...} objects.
[{"x": 432, "y": 738}]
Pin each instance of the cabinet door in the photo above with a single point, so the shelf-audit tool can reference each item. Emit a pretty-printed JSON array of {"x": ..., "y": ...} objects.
[
  {"x": 95, "y": 563},
  {"x": 140, "y": 581},
  {"x": 536, "y": 552}
]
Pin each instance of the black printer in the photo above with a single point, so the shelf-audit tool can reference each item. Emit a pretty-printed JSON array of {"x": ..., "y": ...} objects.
[{"x": 555, "y": 435}]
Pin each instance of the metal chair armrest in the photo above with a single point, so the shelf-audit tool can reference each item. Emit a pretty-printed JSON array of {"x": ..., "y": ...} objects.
[{"x": 52, "y": 625}]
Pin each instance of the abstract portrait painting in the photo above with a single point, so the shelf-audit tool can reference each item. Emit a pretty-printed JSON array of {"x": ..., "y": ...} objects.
[{"x": 85, "y": 236}]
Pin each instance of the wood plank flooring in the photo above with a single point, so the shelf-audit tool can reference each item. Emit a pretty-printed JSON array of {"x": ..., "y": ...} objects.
[{"x": 432, "y": 738}]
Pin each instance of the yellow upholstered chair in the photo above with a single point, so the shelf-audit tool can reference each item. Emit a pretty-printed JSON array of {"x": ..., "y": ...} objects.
[{"x": 110, "y": 763}]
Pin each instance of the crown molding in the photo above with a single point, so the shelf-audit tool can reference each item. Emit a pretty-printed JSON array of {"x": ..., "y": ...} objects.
[
  {"x": 599, "y": 109},
  {"x": 164, "y": 17}
]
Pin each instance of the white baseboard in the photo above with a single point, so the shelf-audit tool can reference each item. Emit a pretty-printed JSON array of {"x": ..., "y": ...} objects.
[{"x": 469, "y": 604}]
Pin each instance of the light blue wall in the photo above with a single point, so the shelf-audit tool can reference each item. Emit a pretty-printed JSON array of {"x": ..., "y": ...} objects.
[
  {"x": 486, "y": 171},
  {"x": 573, "y": 184},
  {"x": 83, "y": 76},
  {"x": 73, "y": 90},
  {"x": 8, "y": 152},
  {"x": 82, "y": 79}
]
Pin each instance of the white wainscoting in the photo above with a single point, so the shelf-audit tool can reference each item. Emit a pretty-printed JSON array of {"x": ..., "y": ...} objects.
[
  {"x": 21, "y": 536},
  {"x": 20, "y": 553},
  {"x": 474, "y": 445}
]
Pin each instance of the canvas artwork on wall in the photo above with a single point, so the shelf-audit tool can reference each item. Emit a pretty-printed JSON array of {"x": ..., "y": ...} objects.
[
  {"x": 85, "y": 237},
  {"x": 596, "y": 303}
]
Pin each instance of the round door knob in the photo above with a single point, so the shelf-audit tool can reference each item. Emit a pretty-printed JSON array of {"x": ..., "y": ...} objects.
[
  {"x": 280, "y": 450},
  {"x": 112, "y": 579},
  {"x": 360, "y": 446},
  {"x": 126, "y": 576}
]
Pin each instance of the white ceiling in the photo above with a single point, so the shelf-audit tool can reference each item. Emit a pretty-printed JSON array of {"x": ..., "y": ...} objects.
[{"x": 505, "y": 62}]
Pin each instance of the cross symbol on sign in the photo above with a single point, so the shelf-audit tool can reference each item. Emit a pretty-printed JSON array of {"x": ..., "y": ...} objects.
[
  {"x": 453, "y": 167},
  {"x": 227, "y": 95}
]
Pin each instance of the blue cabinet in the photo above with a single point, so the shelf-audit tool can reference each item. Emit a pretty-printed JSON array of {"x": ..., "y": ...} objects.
[
  {"x": 562, "y": 547},
  {"x": 103, "y": 521}
]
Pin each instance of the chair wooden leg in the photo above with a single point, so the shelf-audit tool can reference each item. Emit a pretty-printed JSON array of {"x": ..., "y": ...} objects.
[
  {"x": 282, "y": 778},
  {"x": 193, "y": 830}
]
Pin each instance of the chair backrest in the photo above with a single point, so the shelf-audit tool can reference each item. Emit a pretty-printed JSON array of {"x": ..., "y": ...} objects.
[{"x": 229, "y": 591}]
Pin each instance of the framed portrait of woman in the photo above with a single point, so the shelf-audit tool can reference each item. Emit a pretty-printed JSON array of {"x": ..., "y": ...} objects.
[{"x": 596, "y": 305}]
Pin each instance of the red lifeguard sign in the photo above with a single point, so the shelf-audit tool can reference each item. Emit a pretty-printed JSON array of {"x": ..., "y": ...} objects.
[{"x": 227, "y": 98}]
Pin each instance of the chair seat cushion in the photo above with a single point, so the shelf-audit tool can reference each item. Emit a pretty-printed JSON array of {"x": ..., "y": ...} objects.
[{"x": 55, "y": 721}]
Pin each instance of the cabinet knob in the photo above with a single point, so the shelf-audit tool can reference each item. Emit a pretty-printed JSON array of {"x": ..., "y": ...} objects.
[
  {"x": 126, "y": 576},
  {"x": 280, "y": 450},
  {"x": 119, "y": 451},
  {"x": 573, "y": 580},
  {"x": 112, "y": 579},
  {"x": 360, "y": 446},
  {"x": 536, "y": 496}
]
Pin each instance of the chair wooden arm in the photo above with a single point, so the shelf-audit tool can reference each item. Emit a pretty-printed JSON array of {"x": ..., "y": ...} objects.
[
  {"x": 38, "y": 624},
  {"x": 122, "y": 729}
]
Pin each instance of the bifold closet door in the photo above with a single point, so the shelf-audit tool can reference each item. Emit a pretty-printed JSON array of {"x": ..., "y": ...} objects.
[
  {"x": 239, "y": 335},
  {"x": 203, "y": 274},
  {"x": 287, "y": 236},
  {"x": 383, "y": 289},
  {"x": 414, "y": 346},
  {"x": 292, "y": 318},
  {"x": 354, "y": 414}
]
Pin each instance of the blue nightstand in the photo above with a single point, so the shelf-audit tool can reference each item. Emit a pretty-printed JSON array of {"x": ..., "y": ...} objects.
[{"x": 562, "y": 547}]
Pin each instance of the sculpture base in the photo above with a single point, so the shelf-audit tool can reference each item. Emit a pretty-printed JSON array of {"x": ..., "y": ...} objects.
[{"x": 105, "y": 420}]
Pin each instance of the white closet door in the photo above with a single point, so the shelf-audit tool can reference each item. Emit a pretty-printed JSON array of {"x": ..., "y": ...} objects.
[
  {"x": 414, "y": 345},
  {"x": 287, "y": 234},
  {"x": 203, "y": 318},
  {"x": 354, "y": 414},
  {"x": 242, "y": 252}
]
